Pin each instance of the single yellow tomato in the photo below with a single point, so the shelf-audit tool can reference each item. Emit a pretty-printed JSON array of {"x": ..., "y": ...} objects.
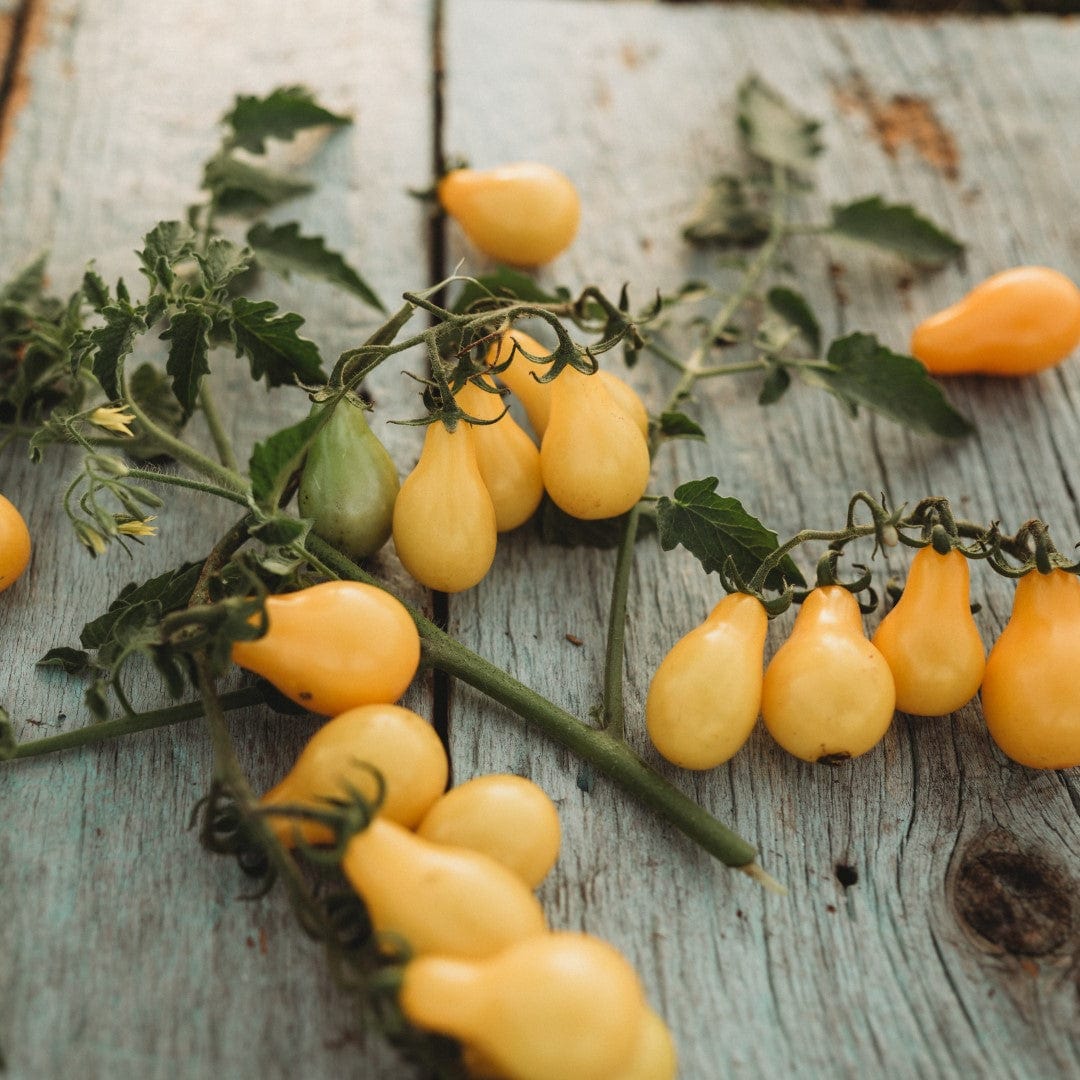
[
  {"x": 930, "y": 640},
  {"x": 828, "y": 693},
  {"x": 14, "y": 544},
  {"x": 334, "y": 646},
  {"x": 551, "y": 1007},
  {"x": 504, "y": 816},
  {"x": 404, "y": 749},
  {"x": 705, "y": 697},
  {"x": 1015, "y": 323},
  {"x": 1029, "y": 693},
  {"x": 524, "y": 213}
]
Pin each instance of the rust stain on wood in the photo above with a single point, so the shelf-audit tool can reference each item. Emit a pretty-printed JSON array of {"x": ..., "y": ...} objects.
[
  {"x": 902, "y": 120},
  {"x": 20, "y": 35}
]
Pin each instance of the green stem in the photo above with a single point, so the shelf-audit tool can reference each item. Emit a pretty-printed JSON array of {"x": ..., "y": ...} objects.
[
  {"x": 130, "y": 725},
  {"x": 174, "y": 480},
  {"x": 614, "y": 656},
  {"x": 610, "y": 755},
  {"x": 222, "y": 442},
  {"x": 225, "y": 477}
]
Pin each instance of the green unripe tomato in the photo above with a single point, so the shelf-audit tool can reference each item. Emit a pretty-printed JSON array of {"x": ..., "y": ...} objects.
[{"x": 349, "y": 483}]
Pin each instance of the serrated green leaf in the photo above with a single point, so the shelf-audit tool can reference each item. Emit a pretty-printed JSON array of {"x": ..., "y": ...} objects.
[
  {"x": 677, "y": 425},
  {"x": 773, "y": 130},
  {"x": 507, "y": 283},
  {"x": 164, "y": 246},
  {"x": 109, "y": 345},
  {"x": 95, "y": 290},
  {"x": 284, "y": 450},
  {"x": 717, "y": 529},
  {"x": 271, "y": 343},
  {"x": 730, "y": 211},
  {"x": 864, "y": 372},
  {"x": 284, "y": 251},
  {"x": 792, "y": 307},
  {"x": 222, "y": 261},
  {"x": 189, "y": 348},
  {"x": 280, "y": 115},
  {"x": 137, "y": 604},
  {"x": 898, "y": 228},
  {"x": 240, "y": 188}
]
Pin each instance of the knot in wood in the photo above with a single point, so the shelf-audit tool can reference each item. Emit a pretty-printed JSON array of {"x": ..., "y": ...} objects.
[{"x": 1020, "y": 902}]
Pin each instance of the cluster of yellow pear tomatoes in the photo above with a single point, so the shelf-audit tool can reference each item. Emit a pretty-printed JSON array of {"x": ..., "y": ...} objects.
[
  {"x": 449, "y": 874},
  {"x": 473, "y": 481},
  {"x": 829, "y": 693}
]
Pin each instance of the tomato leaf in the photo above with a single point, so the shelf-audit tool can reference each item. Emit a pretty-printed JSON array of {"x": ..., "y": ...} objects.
[
  {"x": 107, "y": 346},
  {"x": 272, "y": 345},
  {"x": 240, "y": 188},
  {"x": 139, "y": 604},
  {"x": 792, "y": 307},
  {"x": 898, "y": 228},
  {"x": 280, "y": 115},
  {"x": 284, "y": 251},
  {"x": 26, "y": 286},
  {"x": 189, "y": 347},
  {"x": 717, "y": 529},
  {"x": 861, "y": 371},
  {"x": 168, "y": 243},
  {"x": 677, "y": 425},
  {"x": 222, "y": 261},
  {"x": 71, "y": 661},
  {"x": 773, "y": 130},
  {"x": 283, "y": 451},
  {"x": 731, "y": 210}
]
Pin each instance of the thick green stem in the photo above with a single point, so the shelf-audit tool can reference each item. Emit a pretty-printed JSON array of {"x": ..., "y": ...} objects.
[
  {"x": 129, "y": 725},
  {"x": 222, "y": 442},
  {"x": 609, "y": 755},
  {"x": 614, "y": 658},
  {"x": 154, "y": 476}
]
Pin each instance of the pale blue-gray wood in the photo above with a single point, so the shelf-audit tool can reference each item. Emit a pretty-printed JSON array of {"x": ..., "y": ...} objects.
[{"x": 124, "y": 951}]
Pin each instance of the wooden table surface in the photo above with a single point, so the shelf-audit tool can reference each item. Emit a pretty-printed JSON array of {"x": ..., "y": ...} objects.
[{"x": 124, "y": 951}]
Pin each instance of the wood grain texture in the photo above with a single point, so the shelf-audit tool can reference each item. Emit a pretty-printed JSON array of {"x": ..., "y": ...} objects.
[
  {"x": 952, "y": 951},
  {"x": 871, "y": 962},
  {"x": 124, "y": 950}
]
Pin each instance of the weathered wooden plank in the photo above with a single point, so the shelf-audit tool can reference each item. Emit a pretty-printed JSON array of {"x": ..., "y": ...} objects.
[
  {"x": 124, "y": 950},
  {"x": 875, "y": 967}
]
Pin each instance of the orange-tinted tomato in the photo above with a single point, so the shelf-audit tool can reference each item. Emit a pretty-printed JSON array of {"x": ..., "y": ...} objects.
[
  {"x": 447, "y": 901},
  {"x": 1015, "y": 323},
  {"x": 930, "y": 640},
  {"x": 404, "y": 749},
  {"x": 1029, "y": 692},
  {"x": 504, "y": 816},
  {"x": 552, "y": 1007},
  {"x": 334, "y": 646},
  {"x": 524, "y": 213},
  {"x": 14, "y": 544}
]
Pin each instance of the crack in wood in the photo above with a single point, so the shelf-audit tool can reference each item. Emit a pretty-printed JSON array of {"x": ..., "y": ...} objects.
[{"x": 19, "y": 34}]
